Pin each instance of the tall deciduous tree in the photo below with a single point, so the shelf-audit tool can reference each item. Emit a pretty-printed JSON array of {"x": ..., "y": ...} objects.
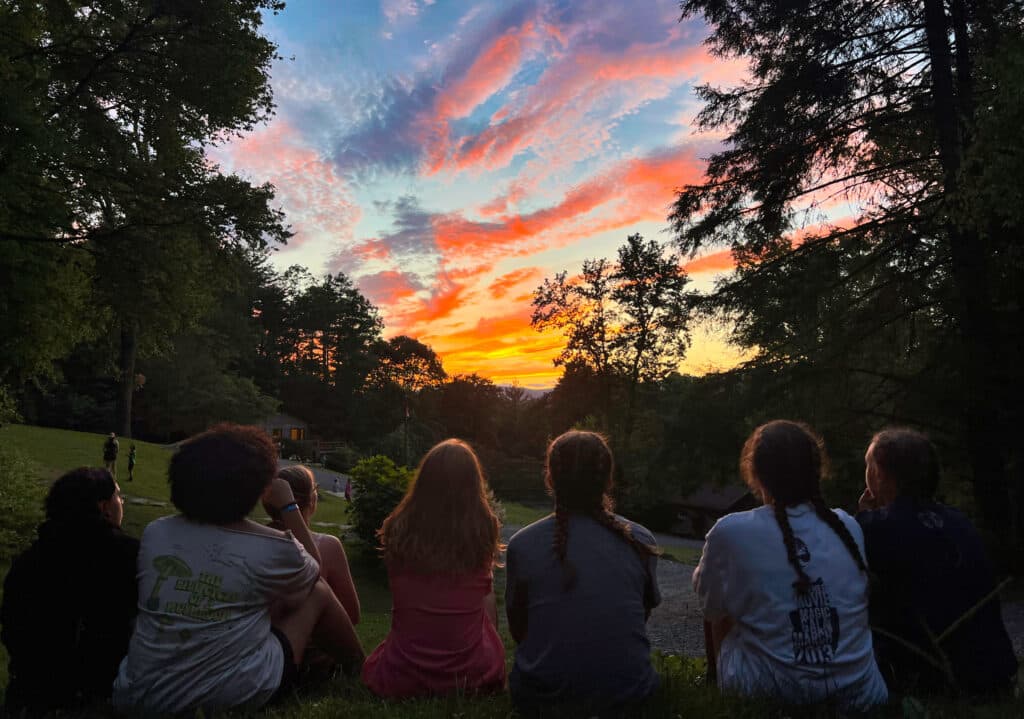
[
  {"x": 626, "y": 320},
  {"x": 876, "y": 104},
  {"x": 115, "y": 102}
]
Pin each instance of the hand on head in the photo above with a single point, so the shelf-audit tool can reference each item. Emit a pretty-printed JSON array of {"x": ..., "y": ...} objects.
[{"x": 278, "y": 493}]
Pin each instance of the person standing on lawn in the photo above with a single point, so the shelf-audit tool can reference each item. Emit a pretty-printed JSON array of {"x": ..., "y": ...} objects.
[
  {"x": 933, "y": 577},
  {"x": 110, "y": 450},
  {"x": 131, "y": 463}
]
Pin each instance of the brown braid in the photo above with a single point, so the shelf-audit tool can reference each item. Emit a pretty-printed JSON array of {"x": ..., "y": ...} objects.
[
  {"x": 561, "y": 546},
  {"x": 610, "y": 521},
  {"x": 803, "y": 583},
  {"x": 832, "y": 520}
]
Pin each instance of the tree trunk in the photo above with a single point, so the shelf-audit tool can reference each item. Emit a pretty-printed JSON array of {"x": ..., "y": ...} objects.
[
  {"x": 977, "y": 321},
  {"x": 126, "y": 379}
]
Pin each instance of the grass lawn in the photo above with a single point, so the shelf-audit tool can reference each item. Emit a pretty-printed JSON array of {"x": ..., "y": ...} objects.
[{"x": 683, "y": 693}]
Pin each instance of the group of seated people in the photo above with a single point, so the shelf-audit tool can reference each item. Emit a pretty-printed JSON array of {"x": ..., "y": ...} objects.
[{"x": 212, "y": 610}]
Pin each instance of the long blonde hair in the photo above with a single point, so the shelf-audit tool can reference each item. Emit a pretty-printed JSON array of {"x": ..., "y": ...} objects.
[{"x": 445, "y": 523}]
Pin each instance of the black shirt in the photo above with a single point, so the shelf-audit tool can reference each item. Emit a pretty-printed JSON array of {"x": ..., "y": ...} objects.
[
  {"x": 929, "y": 568},
  {"x": 68, "y": 607}
]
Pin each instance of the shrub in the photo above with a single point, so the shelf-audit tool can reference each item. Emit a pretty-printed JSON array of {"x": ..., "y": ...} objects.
[
  {"x": 378, "y": 485},
  {"x": 8, "y": 407},
  {"x": 21, "y": 502}
]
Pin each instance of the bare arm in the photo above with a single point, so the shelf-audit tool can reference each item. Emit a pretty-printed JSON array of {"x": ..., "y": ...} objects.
[
  {"x": 335, "y": 570},
  {"x": 279, "y": 495}
]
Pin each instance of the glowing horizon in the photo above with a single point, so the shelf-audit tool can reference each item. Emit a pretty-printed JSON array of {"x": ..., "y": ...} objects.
[{"x": 449, "y": 157}]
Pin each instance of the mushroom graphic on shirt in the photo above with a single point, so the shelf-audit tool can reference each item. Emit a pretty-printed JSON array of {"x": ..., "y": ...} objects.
[{"x": 166, "y": 565}]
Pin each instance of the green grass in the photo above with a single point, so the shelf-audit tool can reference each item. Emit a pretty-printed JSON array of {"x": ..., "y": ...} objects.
[
  {"x": 683, "y": 694},
  {"x": 519, "y": 515},
  {"x": 685, "y": 555}
]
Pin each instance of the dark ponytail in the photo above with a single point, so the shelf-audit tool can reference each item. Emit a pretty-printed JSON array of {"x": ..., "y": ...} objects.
[
  {"x": 785, "y": 462},
  {"x": 579, "y": 475}
]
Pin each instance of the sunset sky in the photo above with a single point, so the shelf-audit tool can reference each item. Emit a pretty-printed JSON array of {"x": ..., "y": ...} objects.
[{"x": 449, "y": 155}]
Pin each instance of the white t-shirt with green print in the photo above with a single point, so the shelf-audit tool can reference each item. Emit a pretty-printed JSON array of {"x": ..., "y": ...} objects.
[{"x": 202, "y": 637}]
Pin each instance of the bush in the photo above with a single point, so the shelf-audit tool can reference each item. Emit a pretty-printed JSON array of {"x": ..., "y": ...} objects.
[
  {"x": 8, "y": 407},
  {"x": 21, "y": 502},
  {"x": 378, "y": 485}
]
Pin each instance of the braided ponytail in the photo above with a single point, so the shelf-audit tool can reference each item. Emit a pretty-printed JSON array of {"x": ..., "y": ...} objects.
[
  {"x": 561, "y": 545},
  {"x": 803, "y": 582},
  {"x": 832, "y": 520}
]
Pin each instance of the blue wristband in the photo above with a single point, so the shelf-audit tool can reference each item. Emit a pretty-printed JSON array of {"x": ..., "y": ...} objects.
[{"x": 290, "y": 507}]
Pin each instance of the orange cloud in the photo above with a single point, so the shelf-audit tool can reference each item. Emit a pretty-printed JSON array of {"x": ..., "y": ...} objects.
[
  {"x": 634, "y": 190},
  {"x": 502, "y": 285},
  {"x": 721, "y": 261}
]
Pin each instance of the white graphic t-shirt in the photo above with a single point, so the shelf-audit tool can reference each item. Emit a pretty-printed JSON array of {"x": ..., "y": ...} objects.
[
  {"x": 799, "y": 648},
  {"x": 202, "y": 637}
]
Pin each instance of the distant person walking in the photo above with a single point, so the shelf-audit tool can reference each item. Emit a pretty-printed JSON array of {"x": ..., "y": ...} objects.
[
  {"x": 131, "y": 463},
  {"x": 335, "y": 485},
  {"x": 348, "y": 490},
  {"x": 110, "y": 449}
]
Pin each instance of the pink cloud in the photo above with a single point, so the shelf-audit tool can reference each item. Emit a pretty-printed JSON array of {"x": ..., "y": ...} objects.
[
  {"x": 631, "y": 191},
  {"x": 316, "y": 200},
  {"x": 388, "y": 288}
]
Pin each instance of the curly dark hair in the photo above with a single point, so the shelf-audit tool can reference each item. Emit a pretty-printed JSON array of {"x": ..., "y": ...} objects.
[
  {"x": 218, "y": 476},
  {"x": 909, "y": 458},
  {"x": 579, "y": 474},
  {"x": 74, "y": 497},
  {"x": 785, "y": 462}
]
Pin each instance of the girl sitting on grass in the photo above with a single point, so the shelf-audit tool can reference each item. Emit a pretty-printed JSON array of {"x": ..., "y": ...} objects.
[
  {"x": 581, "y": 584},
  {"x": 440, "y": 546},
  {"x": 209, "y": 577},
  {"x": 69, "y": 599},
  {"x": 785, "y": 586},
  {"x": 334, "y": 567}
]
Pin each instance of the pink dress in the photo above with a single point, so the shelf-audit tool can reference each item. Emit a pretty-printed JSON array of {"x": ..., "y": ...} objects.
[{"x": 441, "y": 639}]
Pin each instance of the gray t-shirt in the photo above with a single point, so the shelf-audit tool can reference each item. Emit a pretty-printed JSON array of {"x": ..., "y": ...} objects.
[{"x": 587, "y": 643}]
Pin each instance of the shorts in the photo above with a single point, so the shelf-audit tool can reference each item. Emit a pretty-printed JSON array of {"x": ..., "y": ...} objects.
[{"x": 289, "y": 672}]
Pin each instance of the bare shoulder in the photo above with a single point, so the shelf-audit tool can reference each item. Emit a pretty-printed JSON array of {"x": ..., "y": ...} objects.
[
  {"x": 247, "y": 525},
  {"x": 329, "y": 544}
]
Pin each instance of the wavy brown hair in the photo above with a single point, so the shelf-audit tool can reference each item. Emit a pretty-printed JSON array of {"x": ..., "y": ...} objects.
[
  {"x": 784, "y": 462},
  {"x": 579, "y": 474},
  {"x": 445, "y": 523}
]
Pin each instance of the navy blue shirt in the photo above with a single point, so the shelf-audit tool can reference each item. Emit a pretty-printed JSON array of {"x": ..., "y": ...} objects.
[
  {"x": 929, "y": 565},
  {"x": 587, "y": 643}
]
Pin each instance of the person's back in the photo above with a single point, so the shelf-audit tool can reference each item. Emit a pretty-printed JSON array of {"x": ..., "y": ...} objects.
[
  {"x": 203, "y": 636},
  {"x": 931, "y": 569},
  {"x": 441, "y": 637},
  {"x": 68, "y": 605},
  {"x": 589, "y": 641},
  {"x": 784, "y": 587},
  {"x": 440, "y": 545},
  {"x": 210, "y": 580},
  {"x": 580, "y": 586},
  {"x": 800, "y": 648}
]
